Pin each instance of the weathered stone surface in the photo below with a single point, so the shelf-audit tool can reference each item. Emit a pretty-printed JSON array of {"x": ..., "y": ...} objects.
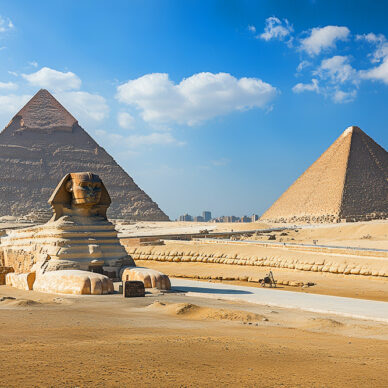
[
  {"x": 73, "y": 282},
  {"x": 78, "y": 234},
  {"x": 150, "y": 277},
  {"x": 3, "y": 272},
  {"x": 348, "y": 182},
  {"x": 344, "y": 265},
  {"x": 77, "y": 239},
  {"x": 133, "y": 288},
  {"x": 23, "y": 281},
  {"x": 41, "y": 144}
]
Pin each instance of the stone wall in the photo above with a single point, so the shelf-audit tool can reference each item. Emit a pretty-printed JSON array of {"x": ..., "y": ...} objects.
[
  {"x": 20, "y": 260},
  {"x": 201, "y": 254}
]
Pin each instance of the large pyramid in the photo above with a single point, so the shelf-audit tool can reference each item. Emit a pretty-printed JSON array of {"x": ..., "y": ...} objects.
[
  {"x": 41, "y": 144},
  {"x": 349, "y": 182}
]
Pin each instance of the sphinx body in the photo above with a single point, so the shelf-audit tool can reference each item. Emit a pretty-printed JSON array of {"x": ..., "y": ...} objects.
[{"x": 78, "y": 238}]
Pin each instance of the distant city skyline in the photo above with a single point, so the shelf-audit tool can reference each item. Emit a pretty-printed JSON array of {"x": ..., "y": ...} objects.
[
  {"x": 206, "y": 104},
  {"x": 207, "y": 217}
]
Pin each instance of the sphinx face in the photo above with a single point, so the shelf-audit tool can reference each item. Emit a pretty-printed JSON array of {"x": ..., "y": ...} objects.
[{"x": 85, "y": 192}]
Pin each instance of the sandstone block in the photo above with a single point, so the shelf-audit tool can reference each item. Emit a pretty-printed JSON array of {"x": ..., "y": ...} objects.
[
  {"x": 133, "y": 289},
  {"x": 23, "y": 281},
  {"x": 73, "y": 282},
  {"x": 3, "y": 273},
  {"x": 150, "y": 277}
]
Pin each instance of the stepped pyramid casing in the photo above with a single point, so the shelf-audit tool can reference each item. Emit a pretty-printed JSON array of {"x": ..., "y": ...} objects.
[
  {"x": 41, "y": 144},
  {"x": 349, "y": 182}
]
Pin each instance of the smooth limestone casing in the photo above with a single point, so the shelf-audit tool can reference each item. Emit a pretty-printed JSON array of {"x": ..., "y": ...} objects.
[{"x": 150, "y": 277}]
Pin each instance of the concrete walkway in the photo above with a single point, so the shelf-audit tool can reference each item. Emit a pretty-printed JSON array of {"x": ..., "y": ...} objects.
[{"x": 349, "y": 307}]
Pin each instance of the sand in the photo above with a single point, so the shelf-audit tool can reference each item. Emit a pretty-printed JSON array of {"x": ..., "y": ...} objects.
[
  {"x": 324, "y": 283},
  {"x": 173, "y": 340},
  {"x": 176, "y": 340},
  {"x": 372, "y": 234}
]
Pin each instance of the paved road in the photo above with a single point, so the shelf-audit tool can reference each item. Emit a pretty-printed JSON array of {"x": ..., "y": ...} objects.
[{"x": 357, "y": 308}]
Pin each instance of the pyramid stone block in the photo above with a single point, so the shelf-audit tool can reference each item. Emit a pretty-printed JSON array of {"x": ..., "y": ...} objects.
[
  {"x": 41, "y": 144},
  {"x": 349, "y": 182}
]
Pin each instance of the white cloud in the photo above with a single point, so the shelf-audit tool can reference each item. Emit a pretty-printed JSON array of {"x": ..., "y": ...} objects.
[
  {"x": 53, "y": 79},
  {"x": 337, "y": 69},
  {"x": 152, "y": 139},
  {"x": 33, "y": 63},
  {"x": 378, "y": 73},
  {"x": 302, "y": 65},
  {"x": 301, "y": 87},
  {"x": 344, "y": 97},
  {"x": 12, "y": 103},
  {"x": 331, "y": 74},
  {"x": 8, "y": 86},
  {"x": 84, "y": 106},
  {"x": 276, "y": 29},
  {"x": 135, "y": 141},
  {"x": 252, "y": 29},
  {"x": 380, "y": 43},
  {"x": 125, "y": 120},
  {"x": 323, "y": 38},
  {"x": 5, "y": 24},
  {"x": 195, "y": 99}
]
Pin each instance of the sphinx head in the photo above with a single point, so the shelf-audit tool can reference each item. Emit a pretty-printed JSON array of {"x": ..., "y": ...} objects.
[
  {"x": 85, "y": 189},
  {"x": 80, "y": 193}
]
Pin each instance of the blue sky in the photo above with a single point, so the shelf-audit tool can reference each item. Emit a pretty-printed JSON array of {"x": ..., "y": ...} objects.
[{"x": 215, "y": 105}]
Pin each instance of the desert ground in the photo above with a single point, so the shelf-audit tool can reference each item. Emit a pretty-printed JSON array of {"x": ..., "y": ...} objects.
[
  {"x": 371, "y": 234},
  {"x": 177, "y": 339},
  {"x": 169, "y": 339}
]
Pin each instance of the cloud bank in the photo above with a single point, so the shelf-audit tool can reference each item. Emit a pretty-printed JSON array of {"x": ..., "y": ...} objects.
[
  {"x": 53, "y": 79},
  {"x": 323, "y": 38},
  {"x": 195, "y": 99}
]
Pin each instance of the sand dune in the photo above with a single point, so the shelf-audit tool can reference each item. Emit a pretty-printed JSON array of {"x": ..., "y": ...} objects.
[{"x": 194, "y": 312}]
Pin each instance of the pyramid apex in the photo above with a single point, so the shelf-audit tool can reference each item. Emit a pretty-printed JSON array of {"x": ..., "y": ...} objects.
[
  {"x": 351, "y": 130},
  {"x": 44, "y": 112}
]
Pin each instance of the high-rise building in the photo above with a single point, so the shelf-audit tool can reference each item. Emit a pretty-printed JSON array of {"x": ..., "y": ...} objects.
[
  {"x": 254, "y": 218},
  {"x": 207, "y": 216},
  {"x": 198, "y": 219},
  {"x": 185, "y": 217}
]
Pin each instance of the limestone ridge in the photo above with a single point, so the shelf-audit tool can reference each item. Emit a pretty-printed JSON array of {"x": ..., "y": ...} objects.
[
  {"x": 41, "y": 144},
  {"x": 348, "y": 182}
]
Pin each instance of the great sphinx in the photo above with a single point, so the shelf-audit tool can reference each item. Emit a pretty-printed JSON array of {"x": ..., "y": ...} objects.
[{"x": 78, "y": 250}]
